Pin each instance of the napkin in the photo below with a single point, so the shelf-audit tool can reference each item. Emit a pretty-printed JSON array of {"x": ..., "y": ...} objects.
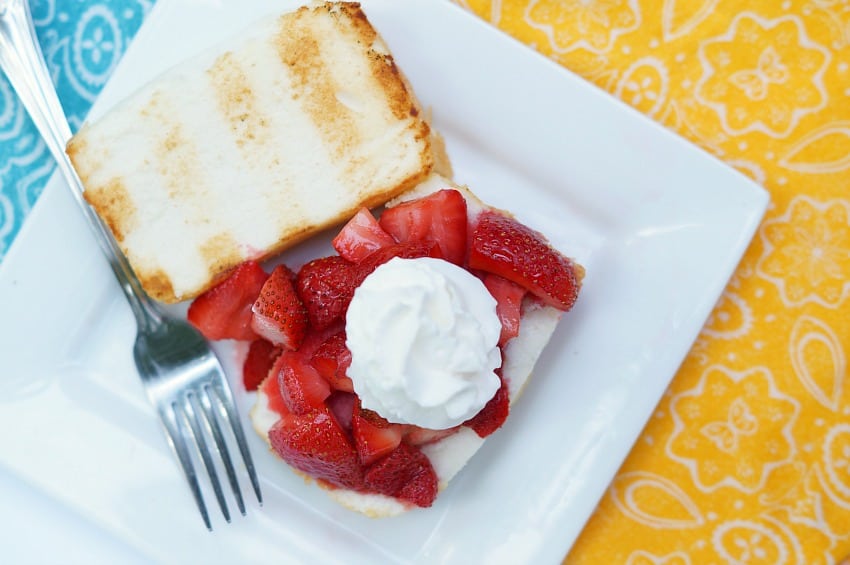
[
  {"x": 747, "y": 456},
  {"x": 82, "y": 43}
]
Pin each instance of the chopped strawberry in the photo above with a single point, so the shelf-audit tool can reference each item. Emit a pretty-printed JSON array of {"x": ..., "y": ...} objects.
[
  {"x": 414, "y": 435},
  {"x": 493, "y": 415},
  {"x": 408, "y": 250},
  {"x": 315, "y": 338},
  {"x": 508, "y": 297},
  {"x": 361, "y": 236},
  {"x": 302, "y": 388},
  {"x": 374, "y": 437},
  {"x": 326, "y": 286},
  {"x": 505, "y": 247},
  {"x": 271, "y": 388},
  {"x": 224, "y": 311},
  {"x": 405, "y": 473},
  {"x": 342, "y": 405},
  {"x": 332, "y": 359},
  {"x": 439, "y": 217},
  {"x": 290, "y": 274},
  {"x": 261, "y": 356},
  {"x": 422, "y": 489},
  {"x": 316, "y": 444},
  {"x": 278, "y": 313}
]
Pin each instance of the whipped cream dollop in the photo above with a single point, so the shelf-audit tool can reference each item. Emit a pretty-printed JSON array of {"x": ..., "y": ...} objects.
[{"x": 423, "y": 335}]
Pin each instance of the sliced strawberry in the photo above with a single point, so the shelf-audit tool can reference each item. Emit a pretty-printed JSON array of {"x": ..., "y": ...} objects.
[
  {"x": 316, "y": 444},
  {"x": 224, "y": 311},
  {"x": 331, "y": 360},
  {"x": 414, "y": 435},
  {"x": 261, "y": 356},
  {"x": 315, "y": 338},
  {"x": 326, "y": 286},
  {"x": 302, "y": 388},
  {"x": 439, "y": 217},
  {"x": 361, "y": 236},
  {"x": 422, "y": 489},
  {"x": 505, "y": 247},
  {"x": 408, "y": 250},
  {"x": 508, "y": 297},
  {"x": 271, "y": 388},
  {"x": 405, "y": 473},
  {"x": 278, "y": 313},
  {"x": 342, "y": 405},
  {"x": 290, "y": 274},
  {"x": 374, "y": 437},
  {"x": 493, "y": 415}
]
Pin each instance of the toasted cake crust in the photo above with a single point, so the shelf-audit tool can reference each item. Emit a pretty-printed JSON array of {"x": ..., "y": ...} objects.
[{"x": 254, "y": 146}]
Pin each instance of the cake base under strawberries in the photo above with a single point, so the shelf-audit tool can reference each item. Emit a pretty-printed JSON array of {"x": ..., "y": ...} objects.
[{"x": 308, "y": 408}]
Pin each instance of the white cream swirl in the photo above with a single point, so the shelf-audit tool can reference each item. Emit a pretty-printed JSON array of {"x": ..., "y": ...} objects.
[{"x": 423, "y": 335}]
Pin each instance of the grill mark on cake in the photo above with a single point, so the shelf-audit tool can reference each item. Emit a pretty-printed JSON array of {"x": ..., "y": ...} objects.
[
  {"x": 382, "y": 65},
  {"x": 174, "y": 155},
  {"x": 312, "y": 83},
  {"x": 237, "y": 102},
  {"x": 81, "y": 156},
  {"x": 157, "y": 284},
  {"x": 253, "y": 130},
  {"x": 220, "y": 252},
  {"x": 390, "y": 81},
  {"x": 389, "y": 77},
  {"x": 115, "y": 205}
]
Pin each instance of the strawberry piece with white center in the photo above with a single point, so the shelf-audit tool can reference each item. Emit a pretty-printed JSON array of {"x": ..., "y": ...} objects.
[
  {"x": 505, "y": 247},
  {"x": 317, "y": 445},
  {"x": 361, "y": 236},
  {"x": 440, "y": 217},
  {"x": 374, "y": 437},
  {"x": 508, "y": 297},
  {"x": 278, "y": 313},
  {"x": 302, "y": 388},
  {"x": 406, "y": 473},
  {"x": 224, "y": 311}
]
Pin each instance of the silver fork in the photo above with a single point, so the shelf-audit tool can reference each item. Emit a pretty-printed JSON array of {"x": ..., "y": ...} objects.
[{"x": 181, "y": 375}]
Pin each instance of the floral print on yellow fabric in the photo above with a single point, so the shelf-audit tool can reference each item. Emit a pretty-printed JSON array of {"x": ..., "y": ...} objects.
[{"x": 747, "y": 456}]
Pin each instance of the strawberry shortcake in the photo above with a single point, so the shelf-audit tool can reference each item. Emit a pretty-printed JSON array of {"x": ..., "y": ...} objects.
[{"x": 380, "y": 369}]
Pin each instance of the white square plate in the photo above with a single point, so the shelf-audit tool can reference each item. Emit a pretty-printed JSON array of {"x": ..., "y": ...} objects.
[{"x": 659, "y": 224}]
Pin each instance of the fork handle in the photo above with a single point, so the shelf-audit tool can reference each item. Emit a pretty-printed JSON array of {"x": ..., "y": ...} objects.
[{"x": 23, "y": 63}]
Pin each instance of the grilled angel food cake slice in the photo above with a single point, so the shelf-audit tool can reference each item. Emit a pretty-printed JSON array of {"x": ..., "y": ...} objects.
[{"x": 252, "y": 146}]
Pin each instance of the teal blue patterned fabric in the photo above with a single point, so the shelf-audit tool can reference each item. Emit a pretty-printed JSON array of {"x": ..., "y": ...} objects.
[{"x": 82, "y": 41}]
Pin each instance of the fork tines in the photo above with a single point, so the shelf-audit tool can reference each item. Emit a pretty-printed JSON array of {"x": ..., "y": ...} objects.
[{"x": 193, "y": 416}]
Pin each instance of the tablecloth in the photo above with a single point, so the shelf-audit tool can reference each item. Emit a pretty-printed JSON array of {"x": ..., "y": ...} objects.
[
  {"x": 82, "y": 43},
  {"x": 747, "y": 457}
]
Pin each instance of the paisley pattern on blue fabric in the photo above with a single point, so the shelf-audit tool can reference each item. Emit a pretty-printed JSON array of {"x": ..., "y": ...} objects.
[{"x": 82, "y": 42}]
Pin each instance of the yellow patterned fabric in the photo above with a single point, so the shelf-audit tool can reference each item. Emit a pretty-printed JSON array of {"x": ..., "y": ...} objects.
[{"x": 747, "y": 457}]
